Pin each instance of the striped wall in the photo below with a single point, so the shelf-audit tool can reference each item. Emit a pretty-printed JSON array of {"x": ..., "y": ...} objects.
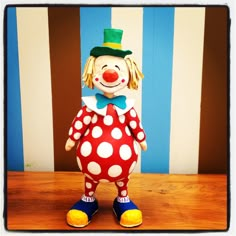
[
  {"x": 186, "y": 89},
  {"x": 35, "y": 87},
  {"x": 182, "y": 101}
]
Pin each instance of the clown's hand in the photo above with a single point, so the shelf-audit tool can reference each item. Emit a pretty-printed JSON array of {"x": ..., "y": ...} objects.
[
  {"x": 143, "y": 145},
  {"x": 69, "y": 144}
]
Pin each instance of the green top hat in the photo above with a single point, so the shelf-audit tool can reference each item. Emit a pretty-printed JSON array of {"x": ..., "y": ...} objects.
[{"x": 112, "y": 45}]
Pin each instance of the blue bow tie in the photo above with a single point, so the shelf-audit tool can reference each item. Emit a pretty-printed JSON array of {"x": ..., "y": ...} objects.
[{"x": 103, "y": 101}]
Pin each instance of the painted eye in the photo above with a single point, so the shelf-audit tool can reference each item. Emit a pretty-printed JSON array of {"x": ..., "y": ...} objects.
[
  {"x": 104, "y": 66},
  {"x": 96, "y": 79},
  {"x": 117, "y": 67},
  {"x": 123, "y": 80}
]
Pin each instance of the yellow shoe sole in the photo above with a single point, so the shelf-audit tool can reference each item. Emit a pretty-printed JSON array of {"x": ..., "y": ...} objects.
[
  {"x": 131, "y": 218},
  {"x": 77, "y": 218}
]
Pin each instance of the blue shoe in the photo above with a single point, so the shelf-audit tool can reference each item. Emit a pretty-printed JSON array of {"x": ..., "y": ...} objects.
[
  {"x": 81, "y": 213},
  {"x": 127, "y": 213}
]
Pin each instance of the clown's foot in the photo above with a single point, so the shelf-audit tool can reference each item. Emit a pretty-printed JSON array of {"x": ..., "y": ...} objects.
[
  {"x": 127, "y": 213},
  {"x": 81, "y": 213}
]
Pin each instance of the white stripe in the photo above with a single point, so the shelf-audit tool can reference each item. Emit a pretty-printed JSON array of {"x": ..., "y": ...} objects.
[
  {"x": 35, "y": 83},
  {"x": 130, "y": 20},
  {"x": 186, "y": 89}
]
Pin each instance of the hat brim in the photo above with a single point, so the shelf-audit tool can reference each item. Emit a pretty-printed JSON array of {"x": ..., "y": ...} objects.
[{"x": 101, "y": 51}]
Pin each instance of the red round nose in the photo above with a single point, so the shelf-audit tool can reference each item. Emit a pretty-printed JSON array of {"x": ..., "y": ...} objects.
[{"x": 110, "y": 75}]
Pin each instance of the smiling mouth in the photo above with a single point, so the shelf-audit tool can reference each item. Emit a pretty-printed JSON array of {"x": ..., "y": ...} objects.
[{"x": 111, "y": 86}]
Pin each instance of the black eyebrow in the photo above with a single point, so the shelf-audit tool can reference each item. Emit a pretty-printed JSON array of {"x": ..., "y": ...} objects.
[
  {"x": 104, "y": 66},
  {"x": 117, "y": 67}
]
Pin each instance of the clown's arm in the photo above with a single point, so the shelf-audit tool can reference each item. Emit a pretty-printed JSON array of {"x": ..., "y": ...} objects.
[
  {"x": 78, "y": 127},
  {"x": 136, "y": 128}
]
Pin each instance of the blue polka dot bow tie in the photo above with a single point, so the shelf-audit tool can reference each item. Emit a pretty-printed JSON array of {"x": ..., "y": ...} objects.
[{"x": 102, "y": 101}]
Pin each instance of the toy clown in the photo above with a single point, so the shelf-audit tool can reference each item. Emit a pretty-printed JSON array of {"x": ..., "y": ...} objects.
[{"x": 107, "y": 129}]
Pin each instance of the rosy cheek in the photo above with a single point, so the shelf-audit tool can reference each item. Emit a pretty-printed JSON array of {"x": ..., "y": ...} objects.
[{"x": 123, "y": 80}]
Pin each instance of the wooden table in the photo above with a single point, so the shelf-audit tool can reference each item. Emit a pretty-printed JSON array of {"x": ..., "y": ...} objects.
[{"x": 40, "y": 201}]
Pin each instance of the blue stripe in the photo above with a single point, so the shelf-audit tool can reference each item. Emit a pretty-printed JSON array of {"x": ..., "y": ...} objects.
[
  {"x": 158, "y": 33},
  {"x": 15, "y": 160},
  {"x": 93, "y": 20}
]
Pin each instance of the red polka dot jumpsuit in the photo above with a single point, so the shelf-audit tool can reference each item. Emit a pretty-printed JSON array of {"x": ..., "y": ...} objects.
[{"x": 107, "y": 149}]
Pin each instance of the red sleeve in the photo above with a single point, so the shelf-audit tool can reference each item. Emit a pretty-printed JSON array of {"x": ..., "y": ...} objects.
[
  {"x": 80, "y": 123},
  {"x": 135, "y": 125}
]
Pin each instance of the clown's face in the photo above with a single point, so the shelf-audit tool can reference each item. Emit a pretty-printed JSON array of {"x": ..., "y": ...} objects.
[{"x": 111, "y": 74}]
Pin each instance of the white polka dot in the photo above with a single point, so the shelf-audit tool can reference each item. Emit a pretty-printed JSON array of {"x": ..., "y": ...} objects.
[
  {"x": 132, "y": 167},
  {"x": 125, "y": 152},
  {"x": 79, "y": 163},
  {"x": 71, "y": 131},
  {"x": 94, "y": 119},
  {"x": 94, "y": 168},
  {"x": 132, "y": 113},
  {"x": 87, "y": 132},
  {"x": 140, "y": 125},
  {"x": 105, "y": 150},
  {"x": 96, "y": 132},
  {"x": 80, "y": 113},
  {"x": 78, "y": 125},
  {"x": 127, "y": 130},
  {"x": 124, "y": 193},
  {"x": 140, "y": 135},
  {"x": 116, "y": 133},
  {"x": 120, "y": 183},
  {"x": 86, "y": 149},
  {"x": 114, "y": 171},
  {"x": 91, "y": 193},
  {"x": 122, "y": 119},
  {"x": 135, "y": 147},
  {"x": 108, "y": 120},
  {"x": 88, "y": 185},
  {"x": 77, "y": 135},
  {"x": 104, "y": 180},
  {"x": 88, "y": 110},
  {"x": 87, "y": 119},
  {"x": 133, "y": 124}
]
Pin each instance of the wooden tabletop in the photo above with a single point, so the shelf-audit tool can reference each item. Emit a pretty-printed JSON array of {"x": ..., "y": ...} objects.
[{"x": 40, "y": 201}]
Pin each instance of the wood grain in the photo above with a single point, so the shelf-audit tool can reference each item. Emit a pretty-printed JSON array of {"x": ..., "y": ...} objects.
[{"x": 40, "y": 201}]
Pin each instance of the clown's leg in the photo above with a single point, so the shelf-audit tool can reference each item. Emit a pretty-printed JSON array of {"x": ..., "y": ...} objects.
[
  {"x": 82, "y": 211},
  {"x": 125, "y": 210}
]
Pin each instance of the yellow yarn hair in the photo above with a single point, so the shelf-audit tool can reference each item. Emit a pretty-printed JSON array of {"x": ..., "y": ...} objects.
[
  {"x": 88, "y": 72},
  {"x": 134, "y": 73}
]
